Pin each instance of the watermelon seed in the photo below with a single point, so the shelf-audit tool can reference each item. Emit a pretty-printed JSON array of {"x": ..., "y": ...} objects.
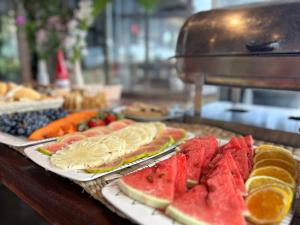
[
  {"x": 150, "y": 179},
  {"x": 161, "y": 175}
]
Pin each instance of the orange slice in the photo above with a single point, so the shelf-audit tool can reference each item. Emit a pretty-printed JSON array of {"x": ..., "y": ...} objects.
[
  {"x": 268, "y": 205},
  {"x": 259, "y": 181},
  {"x": 279, "y": 163},
  {"x": 275, "y": 154},
  {"x": 276, "y": 172}
]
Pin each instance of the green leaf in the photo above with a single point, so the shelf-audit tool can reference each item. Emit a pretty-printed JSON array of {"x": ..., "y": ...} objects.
[
  {"x": 148, "y": 5},
  {"x": 99, "y": 6}
]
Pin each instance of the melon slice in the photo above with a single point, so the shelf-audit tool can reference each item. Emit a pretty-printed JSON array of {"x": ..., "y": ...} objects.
[
  {"x": 127, "y": 121},
  {"x": 101, "y": 129},
  {"x": 154, "y": 186},
  {"x": 71, "y": 138},
  {"x": 92, "y": 133},
  {"x": 175, "y": 133},
  {"x": 158, "y": 145},
  {"x": 51, "y": 148},
  {"x": 105, "y": 167},
  {"x": 117, "y": 125}
]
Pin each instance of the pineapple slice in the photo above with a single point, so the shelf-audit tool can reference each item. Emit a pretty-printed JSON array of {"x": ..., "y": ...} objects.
[{"x": 85, "y": 154}]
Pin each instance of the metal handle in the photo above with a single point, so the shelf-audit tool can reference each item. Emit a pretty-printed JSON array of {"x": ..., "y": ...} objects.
[{"x": 254, "y": 46}]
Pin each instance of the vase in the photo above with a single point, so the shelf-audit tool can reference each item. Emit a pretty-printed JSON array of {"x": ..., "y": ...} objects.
[
  {"x": 77, "y": 75},
  {"x": 42, "y": 76}
]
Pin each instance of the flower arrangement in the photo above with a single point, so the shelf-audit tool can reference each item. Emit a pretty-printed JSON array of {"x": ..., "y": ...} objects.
[{"x": 77, "y": 28}]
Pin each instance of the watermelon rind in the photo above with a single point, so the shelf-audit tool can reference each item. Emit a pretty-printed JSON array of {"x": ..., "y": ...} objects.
[
  {"x": 44, "y": 151},
  {"x": 183, "y": 217},
  {"x": 146, "y": 199}
]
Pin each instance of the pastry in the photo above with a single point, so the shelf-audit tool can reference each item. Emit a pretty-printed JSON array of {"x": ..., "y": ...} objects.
[
  {"x": 3, "y": 88},
  {"x": 26, "y": 93}
]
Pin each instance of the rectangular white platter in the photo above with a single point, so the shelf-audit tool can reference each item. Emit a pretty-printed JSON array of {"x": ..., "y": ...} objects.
[
  {"x": 17, "y": 141},
  {"x": 145, "y": 215},
  {"x": 79, "y": 175}
]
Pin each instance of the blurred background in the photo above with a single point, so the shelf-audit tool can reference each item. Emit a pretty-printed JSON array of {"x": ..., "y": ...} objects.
[
  {"x": 113, "y": 42},
  {"x": 123, "y": 42}
]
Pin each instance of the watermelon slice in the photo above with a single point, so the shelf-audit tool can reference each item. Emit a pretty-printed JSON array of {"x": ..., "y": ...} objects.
[
  {"x": 240, "y": 155},
  {"x": 223, "y": 163},
  {"x": 222, "y": 193},
  {"x": 105, "y": 167},
  {"x": 199, "y": 152},
  {"x": 71, "y": 138},
  {"x": 154, "y": 186},
  {"x": 181, "y": 176},
  {"x": 195, "y": 157},
  {"x": 191, "y": 207},
  {"x": 51, "y": 148},
  {"x": 117, "y": 125}
]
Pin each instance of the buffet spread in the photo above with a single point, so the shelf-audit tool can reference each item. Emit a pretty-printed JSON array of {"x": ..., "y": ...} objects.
[{"x": 169, "y": 174}]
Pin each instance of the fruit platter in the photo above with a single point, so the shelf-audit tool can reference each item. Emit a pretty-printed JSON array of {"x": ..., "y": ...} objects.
[
  {"x": 100, "y": 150},
  {"x": 211, "y": 182},
  {"x": 20, "y": 129}
]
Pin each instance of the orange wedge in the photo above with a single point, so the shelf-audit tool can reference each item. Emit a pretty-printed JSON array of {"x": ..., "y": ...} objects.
[{"x": 268, "y": 205}]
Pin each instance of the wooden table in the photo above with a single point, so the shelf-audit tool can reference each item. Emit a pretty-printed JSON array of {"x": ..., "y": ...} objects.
[{"x": 57, "y": 199}]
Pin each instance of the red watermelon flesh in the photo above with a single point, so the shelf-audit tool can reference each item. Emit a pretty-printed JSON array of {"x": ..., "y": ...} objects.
[
  {"x": 222, "y": 195},
  {"x": 175, "y": 133},
  {"x": 181, "y": 176},
  {"x": 210, "y": 145},
  {"x": 194, "y": 155},
  {"x": 247, "y": 142},
  {"x": 117, "y": 125},
  {"x": 227, "y": 163},
  {"x": 239, "y": 154},
  {"x": 154, "y": 186}
]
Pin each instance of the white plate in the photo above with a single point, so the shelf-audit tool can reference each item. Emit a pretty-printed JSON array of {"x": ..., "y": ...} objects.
[
  {"x": 15, "y": 141},
  {"x": 171, "y": 116},
  {"x": 143, "y": 214},
  {"x": 79, "y": 175}
]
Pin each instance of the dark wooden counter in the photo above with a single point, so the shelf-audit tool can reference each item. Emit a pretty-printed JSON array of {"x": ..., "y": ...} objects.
[{"x": 57, "y": 199}]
